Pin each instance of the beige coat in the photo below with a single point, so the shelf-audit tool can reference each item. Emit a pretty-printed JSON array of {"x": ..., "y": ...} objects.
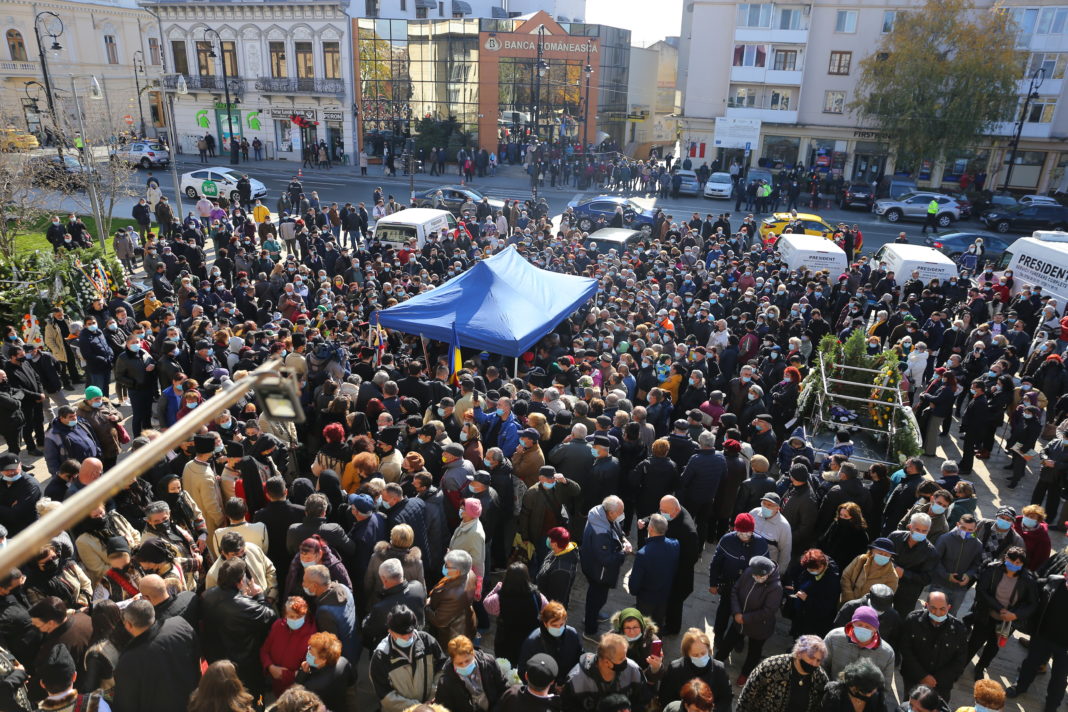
[
  {"x": 53, "y": 340},
  {"x": 526, "y": 463},
  {"x": 93, "y": 554},
  {"x": 390, "y": 466},
  {"x": 471, "y": 537},
  {"x": 252, "y": 532},
  {"x": 259, "y": 568},
  {"x": 862, "y": 574},
  {"x": 198, "y": 479}
]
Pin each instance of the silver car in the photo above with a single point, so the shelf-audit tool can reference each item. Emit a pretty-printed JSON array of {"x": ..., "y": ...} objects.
[
  {"x": 142, "y": 153},
  {"x": 913, "y": 206},
  {"x": 719, "y": 185},
  {"x": 690, "y": 185}
]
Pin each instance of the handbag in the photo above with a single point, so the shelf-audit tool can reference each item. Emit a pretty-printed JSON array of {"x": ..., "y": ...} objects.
[{"x": 124, "y": 436}]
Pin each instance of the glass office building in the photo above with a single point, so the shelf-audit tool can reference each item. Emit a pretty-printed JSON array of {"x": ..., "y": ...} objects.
[{"x": 483, "y": 74}]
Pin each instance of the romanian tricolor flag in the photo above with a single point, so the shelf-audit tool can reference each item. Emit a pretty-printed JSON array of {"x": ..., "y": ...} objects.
[{"x": 456, "y": 361}]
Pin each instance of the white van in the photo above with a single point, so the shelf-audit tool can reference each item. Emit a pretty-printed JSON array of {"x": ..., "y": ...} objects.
[
  {"x": 903, "y": 260},
  {"x": 1039, "y": 261},
  {"x": 812, "y": 252},
  {"x": 400, "y": 227}
]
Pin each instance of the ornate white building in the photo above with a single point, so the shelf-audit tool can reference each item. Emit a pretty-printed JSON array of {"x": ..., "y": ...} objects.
[{"x": 280, "y": 59}]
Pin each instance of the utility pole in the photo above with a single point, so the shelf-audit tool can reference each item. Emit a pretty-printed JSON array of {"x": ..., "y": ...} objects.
[
  {"x": 588, "y": 71},
  {"x": 55, "y": 29},
  {"x": 234, "y": 158},
  {"x": 94, "y": 199},
  {"x": 168, "y": 112},
  {"x": 137, "y": 86},
  {"x": 1032, "y": 93}
]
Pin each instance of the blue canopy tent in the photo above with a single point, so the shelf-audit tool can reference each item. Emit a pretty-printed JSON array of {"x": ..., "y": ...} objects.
[{"x": 502, "y": 305}]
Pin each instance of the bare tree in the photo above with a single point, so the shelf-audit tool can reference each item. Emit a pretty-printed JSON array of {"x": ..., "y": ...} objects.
[
  {"x": 23, "y": 204},
  {"x": 112, "y": 181}
]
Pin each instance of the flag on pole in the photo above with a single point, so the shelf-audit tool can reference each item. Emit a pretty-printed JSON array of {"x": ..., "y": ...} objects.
[{"x": 456, "y": 361}]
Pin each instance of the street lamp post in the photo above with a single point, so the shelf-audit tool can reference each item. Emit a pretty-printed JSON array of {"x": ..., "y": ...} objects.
[
  {"x": 234, "y": 159},
  {"x": 137, "y": 86},
  {"x": 54, "y": 30},
  {"x": 168, "y": 112},
  {"x": 540, "y": 69},
  {"x": 588, "y": 71},
  {"x": 94, "y": 199},
  {"x": 1037, "y": 78}
]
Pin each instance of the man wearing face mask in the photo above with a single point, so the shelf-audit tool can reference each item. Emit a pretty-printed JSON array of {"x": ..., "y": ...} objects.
[
  {"x": 1005, "y": 598},
  {"x": 19, "y": 494},
  {"x": 859, "y": 640},
  {"x": 733, "y": 553},
  {"x": 404, "y": 664},
  {"x": 97, "y": 354},
  {"x": 755, "y": 600},
  {"x": 25, "y": 385},
  {"x": 68, "y": 437},
  {"x": 134, "y": 369},
  {"x": 606, "y": 672},
  {"x": 603, "y": 550},
  {"x": 934, "y": 646}
]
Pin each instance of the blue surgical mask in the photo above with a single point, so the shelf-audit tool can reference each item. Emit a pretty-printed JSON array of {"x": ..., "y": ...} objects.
[
  {"x": 441, "y": 412},
  {"x": 444, "y": 569},
  {"x": 308, "y": 592},
  {"x": 295, "y": 623},
  {"x": 917, "y": 536},
  {"x": 881, "y": 559},
  {"x": 499, "y": 411},
  {"x": 555, "y": 632},
  {"x": 306, "y": 564},
  {"x": 766, "y": 513},
  {"x": 937, "y": 509},
  {"x": 938, "y": 619},
  {"x": 700, "y": 661},
  {"x": 1013, "y": 567},
  {"x": 548, "y": 485},
  {"x": 1002, "y": 524},
  {"x": 666, "y": 516},
  {"x": 310, "y": 659},
  {"x": 93, "y": 328},
  {"x": 404, "y": 642},
  {"x": 13, "y": 478},
  {"x": 466, "y": 670},
  {"x": 135, "y": 348},
  {"x": 191, "y": 405},
  {"x": 463, "y": 435},
  {"x": 97, "y": 404},
  {"x": 1029, "y": 522},
  {"x": 863, "y": 635}
]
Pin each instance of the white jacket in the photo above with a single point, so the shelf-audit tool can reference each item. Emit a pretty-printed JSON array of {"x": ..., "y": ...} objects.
[
  {"x": 917, "y": 364},
  {"x": 779, "y": 535}
]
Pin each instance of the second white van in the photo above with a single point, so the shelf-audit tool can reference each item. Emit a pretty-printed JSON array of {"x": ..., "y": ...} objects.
[
  {"x": 400, "y": 227},
  {"x": 903, "y": 260},
  {"x": 812, "y": 252},
  {"x": 1039, "y": 261}
]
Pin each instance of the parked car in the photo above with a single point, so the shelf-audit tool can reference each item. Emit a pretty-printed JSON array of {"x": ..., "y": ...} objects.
[
  {"x": 894, "y": 187},
  {"x": 913, "y": 206},
  {"x": 719, "y": 185},
  {"x": 1038, "y": 200},
  {"x": 690, "y": 185},
  {"x": 619, "y": 239},
  {"x": 142, "y": 153},
  {"x": 1026, "y": 218},
  {"x": 996, "y": 200},
  {"x": 214, "y": 181},
  {"x": 857, "y": 194},
  {"x": 64, "y": 172},
  {"x": 588, "y": 210},
  {"x": 955, "y": 244},
  {"x": 965, "y": 205},
  {"x": 12, "y": 139},
  {"x": 454, "y": 196}
]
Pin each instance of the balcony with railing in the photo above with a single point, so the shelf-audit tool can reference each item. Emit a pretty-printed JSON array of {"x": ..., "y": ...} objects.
[
  {"x": 19, "y": 68},
  {"x": 206, "y": 83},
  {"x": 296, "y": 85},
  {"x": 777, "y": 106}
]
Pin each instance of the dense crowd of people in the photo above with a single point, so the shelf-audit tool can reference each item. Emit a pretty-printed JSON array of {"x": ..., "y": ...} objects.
[{"x": 419, "y": 513}]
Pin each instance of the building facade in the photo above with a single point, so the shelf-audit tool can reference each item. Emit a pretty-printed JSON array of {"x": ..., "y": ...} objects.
[
  {"x": 117, "y": 43},
  {"x": 279, "y": 59},
  {"x": 484, "y": 74},
  {"x": 770, "y": 83},
  {"x": 559, "y": 10},
  {"x": 653, "y": 98}
]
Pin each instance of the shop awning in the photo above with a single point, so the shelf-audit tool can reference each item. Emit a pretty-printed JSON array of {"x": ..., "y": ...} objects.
[
  {"x": 459, "y": 6},
  {"x": 500, "y": 12}
]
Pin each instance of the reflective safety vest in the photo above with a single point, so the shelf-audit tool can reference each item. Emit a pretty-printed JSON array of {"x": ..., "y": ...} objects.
[{"x": 932, "y": 207}]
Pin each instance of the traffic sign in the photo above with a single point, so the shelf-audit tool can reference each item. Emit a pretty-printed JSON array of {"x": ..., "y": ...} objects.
[{"x": 128, "y": 119}]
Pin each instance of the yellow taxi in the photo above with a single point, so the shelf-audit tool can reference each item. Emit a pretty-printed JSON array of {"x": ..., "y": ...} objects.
[
  {"x": 811, "y": 225},
  {"x": 12, "y": 139}
]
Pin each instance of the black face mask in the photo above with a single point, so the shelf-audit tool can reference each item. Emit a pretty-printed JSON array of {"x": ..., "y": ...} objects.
[
  {"x": 806, "y": 666},
  {"x": 51, "y": 567},
  {"x": 619, "y": 667}
]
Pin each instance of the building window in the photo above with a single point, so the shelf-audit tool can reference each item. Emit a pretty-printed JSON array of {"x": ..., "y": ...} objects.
[
  {"x": 1025, "y": 19},
  {"x": 1052, "y": 62},
  {"x": 111, "y": 50},
  {"x": 1041, "y": 110},
  {"x": 742, "y": 97},
  {"x": 846, "y": 21},
  {"x": 441, "y": 8},
  {"x": 840, "y": 62},
  {"x": 16, "y": 47},
  {"x": 834, "y": 102},
  {"x": 1053, "y": 21},
  {"x": 750, "y": 55},
  {"x": 371, "y": 8},
  {"x": 205, "y": 62},
  {"x": 277, "y": 51},
  {"x": 229, "y": 53},
  {"x": 889, "y": 16},
  {"x": 404, "y": 5},
  {"x": 786, "y": 60},
  {"x": 781, "y": 99},
  {"x": 283, "y": 134},
  {"x": 420, "y": 13},
  {"x": 790, "y": 18},
  {"x": 754, "y": 15},
  {"x": 305, "y": 61},
  {"x": 154, "y": 57},
  {"x": 331, "y": 60},
  {"x": 181, "y": 61}
]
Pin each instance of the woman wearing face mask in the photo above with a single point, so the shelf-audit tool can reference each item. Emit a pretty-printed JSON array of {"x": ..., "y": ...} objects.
[
  {"x": 755, "y": 600},
  {"x": 859, "y": 688},
  {"x": 191, "y": 398},
  {"x": 471, "y": 681},
  {"x": 287, "y": 643},
  {"x": 1005, "y": 597},
  {"x": 812, "y": 595},
  {"x": 325, "y": 671},
  {"x": 856, "y": 641},
  {"x": 782, "y": 679},
  {"x": 1031, "y": 525},
  {"x": 876, "y": 566},
  {"x": 641, "y": 633},
  {"x": 697, "y": 663}
]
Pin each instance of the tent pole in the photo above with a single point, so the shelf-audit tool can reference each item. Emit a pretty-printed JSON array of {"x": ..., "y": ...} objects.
[{"x": 515, "y": 368}]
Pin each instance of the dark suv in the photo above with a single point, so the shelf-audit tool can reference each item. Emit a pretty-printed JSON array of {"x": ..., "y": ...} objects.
[
  {"x": 857, "y": 194},
  {"x": 1026, "y": 218}
]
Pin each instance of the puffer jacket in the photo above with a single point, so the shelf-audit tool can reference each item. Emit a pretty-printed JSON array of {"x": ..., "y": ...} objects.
[
  {"x": 103, "y": 422},
  {"x": 602, "y": 549},
  {"x": 401, "y": 677},
  {"x": 64, "y": 442},
  {"x": 757, "y": 602},
  {"x": 335, "y": 612},
  {"x": 732, "y": 557}
]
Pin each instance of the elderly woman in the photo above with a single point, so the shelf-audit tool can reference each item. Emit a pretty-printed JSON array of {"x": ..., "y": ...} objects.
[
  {"x": 793, "y": 677},
  {"x": 471, "y": 681},
  {"x": 697, "y": 663},
  {"x": 283, "y": 651},
  {"x": 448, "y": 611},
  {"x": 471, "y": 537},
  {"x": 695, "y": 696},
  {"x": 400, "y": 547},
  {"x": 312, "y": 551},
  {"x": 325, "y": 672},
  {"x": 812, "y": 594},
  {"x": 859, "y": 688},
  {"x": 555, "y": 638}
]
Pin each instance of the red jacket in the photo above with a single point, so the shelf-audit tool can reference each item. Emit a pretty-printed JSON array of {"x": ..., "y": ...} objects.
[{"x": 286, "y": 648}]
